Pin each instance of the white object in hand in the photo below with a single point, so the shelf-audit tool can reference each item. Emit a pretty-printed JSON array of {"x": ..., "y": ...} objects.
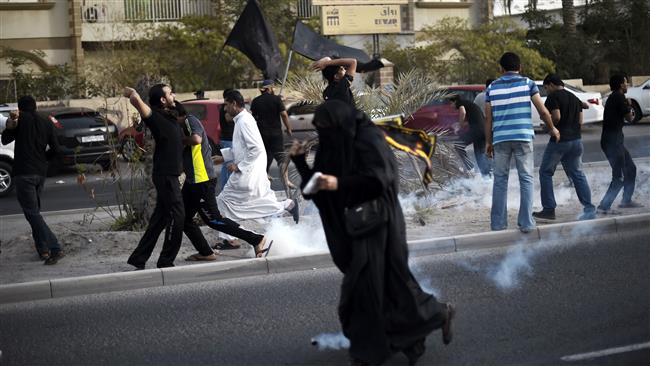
[
  {"x": 227, "y": 154},
  {"x": 310, "y": 187}
]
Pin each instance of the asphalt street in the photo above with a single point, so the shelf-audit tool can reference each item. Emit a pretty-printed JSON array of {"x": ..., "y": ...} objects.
[{"x": 563, "y": 300}]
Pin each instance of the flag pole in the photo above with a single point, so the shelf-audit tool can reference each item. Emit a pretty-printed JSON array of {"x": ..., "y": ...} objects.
[{"x": 286, "y": 71}]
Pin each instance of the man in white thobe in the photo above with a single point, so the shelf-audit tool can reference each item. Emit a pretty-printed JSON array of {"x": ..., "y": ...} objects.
[{"x": 248, "y": 194}]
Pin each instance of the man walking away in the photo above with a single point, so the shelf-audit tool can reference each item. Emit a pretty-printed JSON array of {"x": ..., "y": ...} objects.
[
  {"x": 199, "y": 192},
  {"x": 509, "y": 133},
  {"x": 268, "y": 109},
  {"x": 33, "y": 135},
  {"x": 479, "y": 100},
  {"x": 470, "y": 118},
  {"x": 227, "y": 126},
  {"x": 161, "y": 119},
  {"x": 566, "y": 113},
  {"x": 617, "y": 111}
]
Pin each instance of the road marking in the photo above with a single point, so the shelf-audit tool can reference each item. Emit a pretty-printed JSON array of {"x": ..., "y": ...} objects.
[{"x": 605, "y": 352}]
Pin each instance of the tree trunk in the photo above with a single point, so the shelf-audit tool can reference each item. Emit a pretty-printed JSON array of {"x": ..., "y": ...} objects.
[{"x": 569, "y": 17}]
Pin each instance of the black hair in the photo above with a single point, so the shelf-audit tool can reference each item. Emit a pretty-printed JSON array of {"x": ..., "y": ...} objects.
[
  {"x": 329, "y": 72},
  {"x": 26, "y": 103},
  {"x": 510, "y": 61},
  {"x": 155, "y": 93},
  {"x": 488, "y": 82},
  {"x": 454, "y": 98},
  {"x": 236, "y": 97},
  {"x": 226, "y": 91},
  {"x": 615, "y": 81},
  {"x": 553, "y": 79}
]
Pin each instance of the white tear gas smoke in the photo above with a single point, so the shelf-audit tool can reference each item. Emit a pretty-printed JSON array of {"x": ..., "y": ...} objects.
[
  {"x": 423, "y": 279},
  {"x": 290, "y": 239},
  {"x": 334, "y": 341},
  {"x": 507, "y": 274}
]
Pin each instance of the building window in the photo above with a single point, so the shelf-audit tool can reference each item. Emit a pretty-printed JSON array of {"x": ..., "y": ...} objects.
[{"x": 306, "y": 10}]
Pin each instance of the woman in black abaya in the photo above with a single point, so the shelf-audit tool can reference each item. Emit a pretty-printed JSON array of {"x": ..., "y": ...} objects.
[{"x": 382, "y": 308}]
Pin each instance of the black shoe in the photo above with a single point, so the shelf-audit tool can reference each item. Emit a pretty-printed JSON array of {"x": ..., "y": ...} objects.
[
  {"x": 54, "y": 258},
  {"x": 545, "y": 214},
  {"x": 295, "y": 211},
  {"x": 630, "y": 204},
  {"x": 138, "y": 267}
]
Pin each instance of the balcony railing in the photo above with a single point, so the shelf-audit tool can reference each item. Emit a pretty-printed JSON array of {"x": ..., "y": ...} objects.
[{"x": 115, "y": 11}]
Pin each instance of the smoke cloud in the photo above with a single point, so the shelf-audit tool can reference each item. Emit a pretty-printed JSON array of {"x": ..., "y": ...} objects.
[{"x": 333, "y": 341}]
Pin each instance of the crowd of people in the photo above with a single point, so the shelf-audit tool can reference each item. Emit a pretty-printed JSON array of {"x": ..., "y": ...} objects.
[{"x": 354, "y": 183}]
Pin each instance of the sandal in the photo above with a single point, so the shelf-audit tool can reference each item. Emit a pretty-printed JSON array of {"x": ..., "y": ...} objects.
[
  {"x": 226, "y": 245},
  {"x": 260, "y": 251},
  {"x": 197, "y": 257},
  {"x": 446, "y": 327}
]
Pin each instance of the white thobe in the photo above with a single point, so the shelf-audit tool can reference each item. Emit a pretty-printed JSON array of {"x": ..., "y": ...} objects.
[{"x": 248, "y": 194}]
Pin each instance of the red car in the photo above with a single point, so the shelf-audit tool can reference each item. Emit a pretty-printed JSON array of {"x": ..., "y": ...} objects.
[
  {"x": 441, "y": 115},
  {"x": 206, "y": 110}
]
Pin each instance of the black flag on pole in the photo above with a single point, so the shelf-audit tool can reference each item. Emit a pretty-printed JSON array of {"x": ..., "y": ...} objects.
[
  {"x": 314, "y": 46},
  {"x": 253, "y": 36}
]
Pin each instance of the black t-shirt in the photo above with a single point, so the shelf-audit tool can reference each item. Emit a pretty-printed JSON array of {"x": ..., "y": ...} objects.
[
  {"x": 474, "y": 116},
  {"x": 227, "y": 127},
  {"x": 168, "y": 134},
  {"x": 266, "y": 109},
  {"x": 615, "y": 110},
  {"x": 570, "y": 108},
  {"x": 33, "y": 135},
  {"x": 340, "y": 90}
]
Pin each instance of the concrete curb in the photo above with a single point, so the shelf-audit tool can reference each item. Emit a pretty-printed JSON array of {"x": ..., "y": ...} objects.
[{"x": 96, "y": 284}]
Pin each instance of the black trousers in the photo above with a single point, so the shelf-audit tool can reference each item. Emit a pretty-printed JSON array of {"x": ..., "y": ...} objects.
[
  {"x": 169, "y": 215},
  {"x": 274, "y": 146},
  {"x": 28, "y": 192},
  {"x": 200, "y": 198}
]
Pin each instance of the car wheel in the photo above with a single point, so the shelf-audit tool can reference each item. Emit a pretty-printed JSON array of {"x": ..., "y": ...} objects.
[
  {"x": 6, "y": 183},
  {"x": 636, "y": 111},
  {"x": 129, "y": 149}
]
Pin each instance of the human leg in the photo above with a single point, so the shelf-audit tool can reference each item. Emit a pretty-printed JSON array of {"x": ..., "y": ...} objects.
[
  {"x": 28, "y": 189},
  {"x": 615, "y": 157},
  {"x": 523, "y": 152},
  {"x": 499, "y": 210},
  {"x": 173, "y": 204},
  {"x": 629, "y": 177},
  {"x": 552, "y": 156},
  {"x": 192, "y": 203},
  {"x": 572, "y": 163},
  {"x": 482, "y": 160}
]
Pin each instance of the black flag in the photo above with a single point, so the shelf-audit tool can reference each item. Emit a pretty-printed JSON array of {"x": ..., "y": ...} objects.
[
  {"x": 253, "y": 36},
  {"x": 314, "y": 46}
]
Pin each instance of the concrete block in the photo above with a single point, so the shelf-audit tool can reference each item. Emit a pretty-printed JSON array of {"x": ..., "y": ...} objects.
[
  {"x": 27, "y": 291},
  {"x": 494, "y": 239},
  {"x": 299, "y": 263},
  {"x": 106, "y": 283},
  {"x": 633, "y": 222},
  {"x": 214, "y": 271},
  {"x": 577, "y": 229},
  {"x": 432, "y": 246}
]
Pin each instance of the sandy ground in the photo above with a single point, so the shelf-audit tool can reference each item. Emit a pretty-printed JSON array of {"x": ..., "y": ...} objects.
[{"x": 461, "y": 208}]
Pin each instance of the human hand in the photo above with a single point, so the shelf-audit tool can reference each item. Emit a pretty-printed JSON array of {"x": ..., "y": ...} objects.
[
  {"x": 327, "y": 183},
  {"x": 320, "y": 64},
  {"x": 232, "y": 167},
  {"x": 128, "y": 92},
  {"x": 489, "y": 150},
  {"x": 297, "y": 148},
  {"x": 555, "y": 133}
]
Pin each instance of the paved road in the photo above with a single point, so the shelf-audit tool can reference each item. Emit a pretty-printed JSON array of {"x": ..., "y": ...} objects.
[
  {"x": 68, "y": 195},
  {"x": 574, "y": 298}
]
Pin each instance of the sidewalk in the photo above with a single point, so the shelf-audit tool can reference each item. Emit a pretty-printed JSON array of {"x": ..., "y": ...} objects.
[{"x": 442, "y": 222}]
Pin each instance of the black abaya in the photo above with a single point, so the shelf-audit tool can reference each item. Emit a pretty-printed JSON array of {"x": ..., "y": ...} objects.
[{"x": 382, "y": 308}]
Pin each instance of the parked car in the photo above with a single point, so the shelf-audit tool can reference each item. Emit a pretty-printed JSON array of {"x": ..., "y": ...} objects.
[
  {"x": 640, "y": 98},
  {"x": 593, "y": 114},
  {"x": 439, "y": 114},
  {"x": 301, "y": 115},
  {"x": 6, "y": 153},
  {"x": 84, "y": 136},
  {"x": 206, "y": 110}
]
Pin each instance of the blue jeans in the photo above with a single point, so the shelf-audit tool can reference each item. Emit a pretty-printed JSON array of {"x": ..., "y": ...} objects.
[
  {"x": 623, "y": 175},
  {"x": 225, "y": 174},
  {"x": 522, "y": 151},
  {"x": 569, "y": 153},
  {"x": 28, "y": 192}
]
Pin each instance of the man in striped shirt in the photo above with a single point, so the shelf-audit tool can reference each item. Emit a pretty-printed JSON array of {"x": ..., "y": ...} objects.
[{"x": 509, "y": 133}]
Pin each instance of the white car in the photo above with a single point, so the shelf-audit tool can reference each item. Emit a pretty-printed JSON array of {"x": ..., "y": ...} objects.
[
  {"x": 6, "y": 153},
  {"x": 593, "y": 114},
  {"x": 640, "y": 98},
  {"x": 300, "y": 116}
]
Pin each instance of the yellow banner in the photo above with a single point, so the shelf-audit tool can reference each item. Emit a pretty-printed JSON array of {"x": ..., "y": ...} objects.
[{"x": 365, "y": 19}]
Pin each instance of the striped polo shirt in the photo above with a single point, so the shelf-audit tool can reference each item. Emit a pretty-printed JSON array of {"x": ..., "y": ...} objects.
[
  {"x": 509, "y": 97},
  {"x": 197, "y": 161}
]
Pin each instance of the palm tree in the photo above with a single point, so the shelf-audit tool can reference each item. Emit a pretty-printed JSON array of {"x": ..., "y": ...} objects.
[{"x": 569, "y": 17}]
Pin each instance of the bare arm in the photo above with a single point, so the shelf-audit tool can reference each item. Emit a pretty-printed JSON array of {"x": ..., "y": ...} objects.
[
  {"x": 350, "y": 64},
  {"x": 545, "y": 116},
  {"x": 462, "y": 115},
  {"x": 628, "y": 116},
  {"x": 137, "y": 102},
  {"x": 193, "y": 139},
  {"x": 488, "y": 129},
  {"x": 285, "y": 120}
]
